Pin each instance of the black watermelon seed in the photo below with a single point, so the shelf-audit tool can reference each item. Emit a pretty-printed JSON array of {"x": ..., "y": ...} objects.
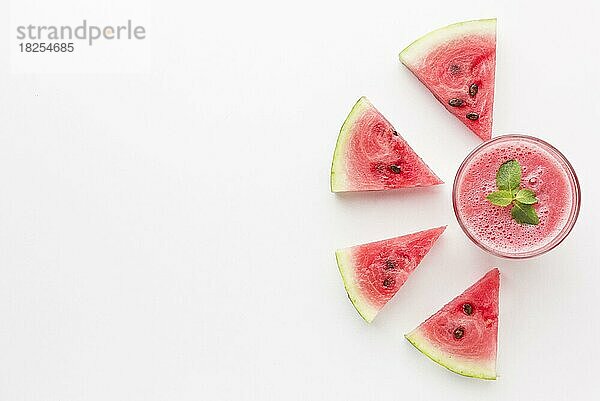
[
  {"x": 456, "y": 102},
  {"x": 467, "y": 308},
  {"x": 394, "y": 132},
  {"x": 472, "y": 116},
  {"x": 389, "y": 264},
  {"x": 387, "y": 282},
  {"x": 459, "y": 333},
  {"x": 395, "y": 169},
  {"x": 473, "y": 89}
]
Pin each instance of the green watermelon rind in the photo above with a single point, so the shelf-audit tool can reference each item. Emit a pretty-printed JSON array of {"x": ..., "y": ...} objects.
[
  {"x": 346, "y": 268},
  {"x": 485, "y": 370},
  {"x": 413, "y": 53},
  {"x": 339, "y": 181}
]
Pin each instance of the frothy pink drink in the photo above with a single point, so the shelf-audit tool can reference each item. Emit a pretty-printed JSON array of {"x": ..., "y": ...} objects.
[{"x": 544, "y": 170}]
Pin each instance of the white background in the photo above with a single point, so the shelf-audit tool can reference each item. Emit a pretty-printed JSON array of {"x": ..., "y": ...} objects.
[{"x": 169, "y": 234}]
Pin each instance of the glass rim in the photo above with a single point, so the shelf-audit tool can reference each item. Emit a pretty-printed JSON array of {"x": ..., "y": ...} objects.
[{"x": 576, "y": 195}]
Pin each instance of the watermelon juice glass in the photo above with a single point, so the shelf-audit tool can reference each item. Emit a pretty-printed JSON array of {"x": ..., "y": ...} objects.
[{"x": 544, "y": 170}]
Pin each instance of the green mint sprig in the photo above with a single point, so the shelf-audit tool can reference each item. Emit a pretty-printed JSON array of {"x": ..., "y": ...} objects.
[{"x": 508, "y": 181}]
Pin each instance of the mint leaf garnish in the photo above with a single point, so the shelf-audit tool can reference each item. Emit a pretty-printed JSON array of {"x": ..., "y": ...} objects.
[
  {"x": 508, "y": 181},
  {"x": 508, "y": 176},
  {"x": 500, "y": 198},
  {"x": 526, "y": 196},
  {"x": 524, "y": 214}
]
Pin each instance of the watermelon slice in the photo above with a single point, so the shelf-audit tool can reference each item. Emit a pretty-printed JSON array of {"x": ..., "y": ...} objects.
[
  {"x": 374, "y": 272},
  {"x": 457, "y": 63},
  {"x": 463, "y": 335},
  {"x": 370, "y": 155}
]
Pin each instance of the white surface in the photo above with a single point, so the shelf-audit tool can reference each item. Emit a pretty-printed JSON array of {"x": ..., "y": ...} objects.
[{"x": 170, "y": 235}]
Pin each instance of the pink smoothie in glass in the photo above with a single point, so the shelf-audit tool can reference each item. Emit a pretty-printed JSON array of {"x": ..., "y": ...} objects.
[{"x": 544, "y": 170}]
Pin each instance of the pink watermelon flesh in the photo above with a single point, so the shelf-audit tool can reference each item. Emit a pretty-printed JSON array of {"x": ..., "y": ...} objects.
[
  {"x": 371, "y": 155},
  {"x": 463, "y": 335},
  {"x": 451, "y": 68},
  {"x": 373, "y": 273}
]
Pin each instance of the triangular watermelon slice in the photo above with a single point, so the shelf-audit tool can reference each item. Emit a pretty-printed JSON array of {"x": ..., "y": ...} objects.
[
  {"x": 463, "y": 335},
  {"x": 374, "y": 272},
  {"x": 370, "y": 155},
  {"x": 457, "y": 63}
]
